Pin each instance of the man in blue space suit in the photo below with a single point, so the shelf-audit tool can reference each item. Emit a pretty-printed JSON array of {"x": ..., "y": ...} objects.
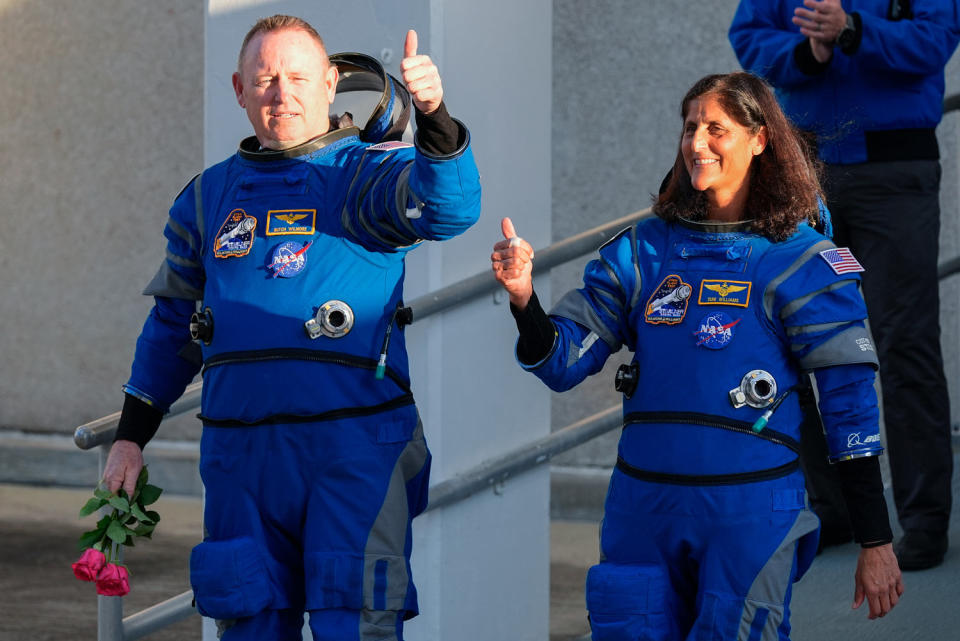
[
  {"x": 726, "y": 299},
  {"x": 285, "y": 262}
]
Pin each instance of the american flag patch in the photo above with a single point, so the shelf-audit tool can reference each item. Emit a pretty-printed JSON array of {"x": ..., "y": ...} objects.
[{"x": 841, "y": 261}]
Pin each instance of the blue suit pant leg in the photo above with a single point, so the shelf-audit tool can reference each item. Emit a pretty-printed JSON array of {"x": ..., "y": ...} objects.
[
  {"x": 699, "y": 563},
  {"x": 326, "y": 508}
]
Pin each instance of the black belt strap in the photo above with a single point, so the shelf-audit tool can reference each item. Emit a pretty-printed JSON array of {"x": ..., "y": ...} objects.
[
  {"x": 708, "y": 479},
  {"x": 279, "y": 419}
]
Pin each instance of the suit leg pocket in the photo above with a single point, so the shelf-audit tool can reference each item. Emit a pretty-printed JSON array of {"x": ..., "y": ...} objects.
[
  {"x": 629, "y": 603},
  {"x": 229, "y": 579}
]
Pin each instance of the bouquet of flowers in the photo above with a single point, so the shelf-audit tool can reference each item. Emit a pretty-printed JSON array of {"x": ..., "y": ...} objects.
[{"x": 128, "y": 520}]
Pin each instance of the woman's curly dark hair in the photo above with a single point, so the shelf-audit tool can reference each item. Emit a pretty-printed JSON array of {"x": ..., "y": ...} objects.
[{"x": 784, "y": 184}]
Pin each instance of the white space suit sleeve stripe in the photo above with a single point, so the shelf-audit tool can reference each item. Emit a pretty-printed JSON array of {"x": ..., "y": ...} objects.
[
  {"x": 574, "y": 306},
  {"x": 771, "y": 291},
  {"x": 614, "y": 279},
  {"x": 403, "y": 195},
  {"x": 800, "y": 330},
  {"x": 636, "y": 268},
  {"x": 168, "y": 283},
  {"x": 180, "y": 260},
  {"x": 853, "y": 345},
  {"x": 795, "y": 305},
  {"x": 198, "y": 205},
  {"x": 182, "y": 232}
]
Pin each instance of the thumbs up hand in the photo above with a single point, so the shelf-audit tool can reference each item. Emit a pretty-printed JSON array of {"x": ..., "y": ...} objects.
[
  {"x": 512, "y": 264},
  {"x": 420, "y": 76}
]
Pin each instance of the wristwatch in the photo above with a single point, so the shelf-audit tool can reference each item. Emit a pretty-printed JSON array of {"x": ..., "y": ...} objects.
[{"x": 848, "y": 35}]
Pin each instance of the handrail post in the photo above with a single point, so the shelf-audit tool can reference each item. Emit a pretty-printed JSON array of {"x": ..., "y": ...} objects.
[
  {"x": 109, "y": 608},
  {"x": 109, "y": 618}
]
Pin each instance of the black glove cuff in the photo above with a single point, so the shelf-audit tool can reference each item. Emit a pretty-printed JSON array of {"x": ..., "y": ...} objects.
[
  {"x": 437, "y": 133},
  {"x": 139, "y": 421},
  {"x": 537, "y": 333},
  {"x": 862, "y": 489}
]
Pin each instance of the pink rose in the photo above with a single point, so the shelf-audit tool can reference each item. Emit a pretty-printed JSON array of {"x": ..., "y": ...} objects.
[
  {"x": 89, "y": 565},
  {"x": 113, "y": 580}
]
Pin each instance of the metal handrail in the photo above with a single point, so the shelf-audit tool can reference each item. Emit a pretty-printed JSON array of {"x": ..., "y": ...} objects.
[
  {"x": 102, "y": 430},
  {"x": 951, "y": 103}
]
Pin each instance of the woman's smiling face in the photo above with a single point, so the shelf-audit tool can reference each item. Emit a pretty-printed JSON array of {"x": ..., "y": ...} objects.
[{"x": 717, "y": 150}]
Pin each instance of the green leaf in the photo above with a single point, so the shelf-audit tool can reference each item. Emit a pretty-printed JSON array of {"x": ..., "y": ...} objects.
[
  {"x": 141, "y": 481},
  {"x": 130, "y": 520},
  {"x": 129, "y": 540},
  {"x": 120, "y": 503},
  {"x": 87, "y": 539},
  {"x": 102, "y": 493},
  {"x": 116, "y": 532},
  {"x": 104, "y": 522},
  {"x": 153, "y": 516},
  {"x": 139, "y": 513},
  {"x": 144, "y": 530},
  {"x": 149, "y": 494},
  {"x": 92, "y": 506}
]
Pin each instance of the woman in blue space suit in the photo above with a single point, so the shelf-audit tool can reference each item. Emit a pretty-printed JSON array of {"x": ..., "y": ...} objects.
[{"x": 726, "y": 298}]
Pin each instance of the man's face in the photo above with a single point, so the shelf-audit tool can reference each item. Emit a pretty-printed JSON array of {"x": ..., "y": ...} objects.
[{"x": 286, "y": 86}]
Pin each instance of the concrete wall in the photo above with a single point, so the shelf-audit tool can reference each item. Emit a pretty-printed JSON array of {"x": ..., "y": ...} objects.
[
  {"x": 620, "y": 71},
  {"x": 100, "y": 126}
]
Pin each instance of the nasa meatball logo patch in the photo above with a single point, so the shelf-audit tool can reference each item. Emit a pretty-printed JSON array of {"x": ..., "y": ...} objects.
[
  {"x": 715, "y": 330},
  {"x": 235, "y": 237},
  {"x": 668, "y": 303},
  {"x": 288, "y": 259}
]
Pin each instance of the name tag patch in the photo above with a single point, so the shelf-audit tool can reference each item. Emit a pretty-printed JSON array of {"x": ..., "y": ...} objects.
[
  {"x": 725, "y": 292},
  {"x": 281, "y": 222}
]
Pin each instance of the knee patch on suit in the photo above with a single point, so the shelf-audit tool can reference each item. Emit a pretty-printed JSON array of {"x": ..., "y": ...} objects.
[
  {"x": 229, "y": 579},
  {"x": 630, "y": 603}
]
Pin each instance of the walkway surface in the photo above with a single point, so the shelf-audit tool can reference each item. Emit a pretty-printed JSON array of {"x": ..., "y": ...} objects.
[{"x": 43, "y": 602}]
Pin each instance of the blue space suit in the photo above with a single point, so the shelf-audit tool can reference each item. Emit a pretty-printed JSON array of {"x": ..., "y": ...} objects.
[
  {"x": 706, "y": 524},
  {"x": 312, "y": 453}
]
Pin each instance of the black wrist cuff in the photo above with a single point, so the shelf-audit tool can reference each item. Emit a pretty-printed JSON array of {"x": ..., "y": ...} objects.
[
  {"x": 806, "y": 63},
  {"x": 437, "y": 133},
  {"x": 138, "y": 421},
  {"x": 537, "y": 333},
  {"x": 862, "y": 489},
  {"x": 875, "y": 544}
]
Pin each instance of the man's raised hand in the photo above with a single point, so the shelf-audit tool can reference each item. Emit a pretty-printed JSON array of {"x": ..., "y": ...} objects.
[{"x": 420, "y": 76}]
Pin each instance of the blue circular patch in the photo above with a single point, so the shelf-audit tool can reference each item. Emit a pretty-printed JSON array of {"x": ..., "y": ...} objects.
[
  {"x": 288, "y": 259},
  {"x": 716, "y": 330}
]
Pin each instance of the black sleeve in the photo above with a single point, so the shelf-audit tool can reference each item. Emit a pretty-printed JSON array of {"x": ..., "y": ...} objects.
[
  {"x": 438, "y": 134},
  {"x": 138, "y": 421},
  {"x": 862, "y": 489},
  {"x": 537, "y": 333}
]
